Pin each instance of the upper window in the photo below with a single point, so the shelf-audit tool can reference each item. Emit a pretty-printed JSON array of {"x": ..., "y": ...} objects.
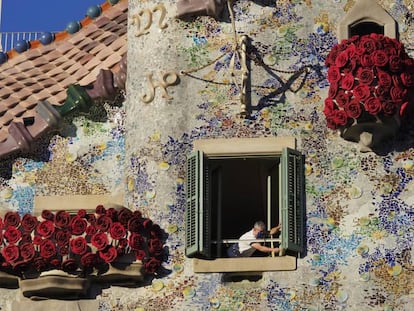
[
  {"x": 365, "y": 28},
  {"x": 231, "y": 183},
  {"x": 366, "y": 17}
]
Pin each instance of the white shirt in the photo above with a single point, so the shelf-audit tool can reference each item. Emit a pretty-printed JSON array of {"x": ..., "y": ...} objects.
[{"x": 245, "y": 247}]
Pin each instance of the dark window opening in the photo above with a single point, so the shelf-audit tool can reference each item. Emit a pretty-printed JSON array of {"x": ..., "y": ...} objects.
[
  {"x": 225, "y": 196},
  {"x": 242, "y": 190},
  {"x": 365, "y": 28}
]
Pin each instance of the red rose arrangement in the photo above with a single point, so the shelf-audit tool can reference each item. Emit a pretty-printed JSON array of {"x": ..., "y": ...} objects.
[
  {"x": 370, "y": 76},
  {"x": 78, "y": 244}
]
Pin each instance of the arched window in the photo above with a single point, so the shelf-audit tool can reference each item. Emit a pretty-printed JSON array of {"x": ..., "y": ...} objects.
[
  {"x": 365, "y": 28},
  {"x": 366, "y": 17}
]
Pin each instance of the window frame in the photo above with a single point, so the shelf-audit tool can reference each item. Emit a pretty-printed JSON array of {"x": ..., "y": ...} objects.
[
  {"x": 367, "y": 11},
  {"x": 238, "y": 147}
]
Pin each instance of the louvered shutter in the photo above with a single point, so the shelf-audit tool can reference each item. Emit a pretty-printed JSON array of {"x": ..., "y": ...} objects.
[
  {"x": 292, "y": 183},
  {"x": 197, "y": 220}
]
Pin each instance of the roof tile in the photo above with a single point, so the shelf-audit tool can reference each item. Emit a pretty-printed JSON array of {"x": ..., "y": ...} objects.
[{"x": 44, "y": 72}]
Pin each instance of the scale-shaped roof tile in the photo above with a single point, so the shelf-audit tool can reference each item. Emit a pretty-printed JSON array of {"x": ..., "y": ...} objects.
[{"x": 45, "y": 71}]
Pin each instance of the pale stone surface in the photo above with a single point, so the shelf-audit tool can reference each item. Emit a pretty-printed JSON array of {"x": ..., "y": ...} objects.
[{"x": 61, "y": 305}]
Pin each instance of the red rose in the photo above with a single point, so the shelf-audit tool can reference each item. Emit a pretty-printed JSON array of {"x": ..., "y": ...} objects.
[
  {"x": 81, "y": 213},
  {"x": 327, "y": 110},
  {"x": 39, "y": 263},
  {"x": 409, "y": 64},
  {"x": 342, "y": 59},
  {"x": 123, "y": 243},
  {"x": 342, "y": 98},
  {"x": 90, "y": 230},
  {"x": 367, "y": 45},
  {"x": 117, "y": 230},
  {"x": 334, "y": 75},
  {"x": 152, "y": 265},
  {"x": 156, "y": 232},
  {"x": 333, "y": 89},
  {"x": 353, "y": 109},
  {"x": 69, "y": 265},
  {"x": 147, "y": 223},
  {"x": 99, "y": 240},
  {"x": 361, "y": 92},
  {"x": 330, "y": 59},
  {"x": 109, "y": 254},
  {"x": 347, "y": 82},
  {"x": 398, "y": 94},
  {"x": 37, "y": 240},
  {"x": 78, "y": 245},
  {"x": 373, "y": 105},
  {"x": 124, "y": 216},
  {"x": 26, "y": 237},
  {"x": 63, "y": 237},
  {"x": 27, "y": 251},
  {"x": 330, "y": 123},
  {"x": 384, "y": 78},
  {"x": 10, "y": 253},
  {"x": 88, "y": 260},
  {"x": 365, "y": 76},
  {"x": 45, "y": 228},
  {"x": 100, "y": 210},
  {"x": 62, "y": 219},
  {"x": 12, "y": 219},
  {"x": 48, "y": 215},
  {"x": 136, "y": 241},
  {"x": 47, "y": 249},
  {"x": 394, "y": 62},
  {"x": 64, "y": 250},
  {"x": 29, "y": 222},
  {"x": 135, "y": 224},
  {"x": 155, "y": 247},
  {"x": 366, "y": 60},
  {"x": 339, "y": 117},
  {"x": 140, "y": 254},
  {"x": 103, "y": 223},
  {"x": 380, "y": 58},
  {"x": 12, "y": 234},
  {"x": 78, "y": 225},
  {"x": 56, "y": 263},
  {"x": 91, "y": 219},
  {"x": 112, "y": 213},
  {"x": 389, "y": 107},
  {"x": 407, "y": 79},
  {"x": 403, "y": 109},
  {"x": 382, "y": 92},
  {"x": 350, "y": 66}
]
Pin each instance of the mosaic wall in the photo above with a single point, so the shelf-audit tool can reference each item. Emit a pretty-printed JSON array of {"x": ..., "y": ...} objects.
[{"x": 184, "y": 84}]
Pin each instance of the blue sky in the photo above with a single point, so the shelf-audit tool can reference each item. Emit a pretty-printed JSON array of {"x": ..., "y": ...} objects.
[{"x": 42, "y": 15}]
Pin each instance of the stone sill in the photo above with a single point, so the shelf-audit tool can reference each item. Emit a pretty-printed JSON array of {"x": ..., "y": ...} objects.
[{"x": 251, "y": 264}]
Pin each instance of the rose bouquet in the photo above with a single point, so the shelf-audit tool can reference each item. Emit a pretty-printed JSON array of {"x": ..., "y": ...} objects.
[
  {"x": 78, "y": 244},
  {"x": 370, "y": 77}
]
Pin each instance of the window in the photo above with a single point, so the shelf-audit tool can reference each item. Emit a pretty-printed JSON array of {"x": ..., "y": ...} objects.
[
  {"x": 365, "y": 17},
  {"x": 231, "y": 183},
  {"x": 365, "y": 28}
]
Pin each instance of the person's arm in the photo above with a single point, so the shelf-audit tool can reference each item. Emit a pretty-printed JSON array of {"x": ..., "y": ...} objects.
[
  {"x": 265, "y": 249},
  {"x": 275, "y": 229}
]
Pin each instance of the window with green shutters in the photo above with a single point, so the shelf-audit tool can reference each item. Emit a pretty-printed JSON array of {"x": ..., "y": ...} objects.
[
  {"x": 203, "y": 210},
  {"x": 292, "y": 205}
]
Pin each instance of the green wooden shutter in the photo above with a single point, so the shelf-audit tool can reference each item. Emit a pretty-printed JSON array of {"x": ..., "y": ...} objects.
[
  {"x": 292, "y": 184},
  {"x": 197, "y": 220}
]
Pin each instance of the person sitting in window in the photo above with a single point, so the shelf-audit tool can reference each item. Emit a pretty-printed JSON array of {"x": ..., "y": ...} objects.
[{"x": 246, "y": 247}]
